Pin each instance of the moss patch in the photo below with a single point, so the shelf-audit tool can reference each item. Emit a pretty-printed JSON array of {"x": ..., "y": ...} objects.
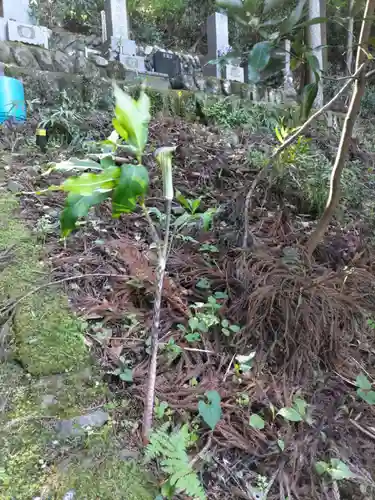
[
  {"x": 53, "y": 380},
  {"x": 112, "y": 479},
  {"x": 47, "y": 335}
]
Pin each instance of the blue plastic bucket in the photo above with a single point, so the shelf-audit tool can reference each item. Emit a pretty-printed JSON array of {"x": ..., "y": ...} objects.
[{"x": 12, "y": 100}]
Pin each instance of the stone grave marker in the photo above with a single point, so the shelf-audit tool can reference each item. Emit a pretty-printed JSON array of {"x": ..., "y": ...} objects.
[
  {"x": 118, "y": 44},
  {"x": 133, "y": 63},
  {"x": 218, "y": 44},
  {"x": 166, "y": 63},
  {"x": 17, "y": 25}
]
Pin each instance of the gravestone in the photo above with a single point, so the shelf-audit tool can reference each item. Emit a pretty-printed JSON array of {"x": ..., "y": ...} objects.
[
  {"x": 133, "y": 63},
  {"x": 118, "y": 46},
  {"x": 218, "y": 44},
  {"x": 167, "y": 63},
  {"x": 16, "y": 24}
]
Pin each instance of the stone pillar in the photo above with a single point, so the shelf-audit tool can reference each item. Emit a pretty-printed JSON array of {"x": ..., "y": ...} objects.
[
  {"x": 218, "y": 43},
  {"x": 289, "y": 89},
  {"x": 117, "y": 30},
  {"x": 315, "y": 41},
  {"x": 18, "y": 10}
]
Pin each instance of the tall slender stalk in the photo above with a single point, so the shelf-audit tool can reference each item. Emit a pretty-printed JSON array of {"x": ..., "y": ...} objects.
[
  {"x": 164, "y": 158},
  {"x": 150, "y": 394}
]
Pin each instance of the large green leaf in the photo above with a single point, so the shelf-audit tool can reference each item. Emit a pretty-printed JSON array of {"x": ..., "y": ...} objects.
[
  {"x": 272, "y": 4},
  {"x": 260, "y": 55},
  {"x": 256, "y": 422},
  {"x": 309, "y": 94},
  {"x": 313, "y": 62},
  {"x": 133, "y": 184},
  {"x": 363, "y": 382},
  {"x": 290, "y": 414},
  {"x": 290, "y": 22},
  {"x": 73, "y": 164},
  {"x": 88, "y": 183},
  {"x": 211, "y": 411},
  {"x": 77, "y": 206},
  {"x": 132, "y": 118}
]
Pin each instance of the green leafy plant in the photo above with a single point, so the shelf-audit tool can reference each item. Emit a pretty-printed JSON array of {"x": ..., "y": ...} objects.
[
  {"x": 364, "y": 389},
  {"x": 211, "y": 411},
  {"x": 232, "y": 113},
  {"x": 124, "y": 374},
  {"x": 244, "y": 363},
  {"x": 335, "y": 468},
  {"x": 203, "y": 283},
  {"x": 204, "y": 316},
  {"x": 126, "y": 187},
  {"x": 170, "y": 449},
  {"x": 296, "y": 413},
  {"x": 206, "y": 247},
  {"x": 162, "y": 410}
]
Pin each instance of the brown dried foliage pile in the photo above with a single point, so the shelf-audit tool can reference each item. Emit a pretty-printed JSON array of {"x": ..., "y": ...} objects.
[{"x": 306, "y": 321}]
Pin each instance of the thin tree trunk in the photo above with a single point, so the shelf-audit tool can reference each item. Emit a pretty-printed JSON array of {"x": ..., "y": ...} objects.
[
  {"x": 342, "y": 153},
  {"x": 150, "y": 394},
  {"x": 349, "y": 53}
]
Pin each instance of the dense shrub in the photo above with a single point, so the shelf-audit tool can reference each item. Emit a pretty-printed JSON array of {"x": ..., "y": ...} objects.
[
  {"x": 303, "y": 177},
  {"x": 233, "y": 112}
]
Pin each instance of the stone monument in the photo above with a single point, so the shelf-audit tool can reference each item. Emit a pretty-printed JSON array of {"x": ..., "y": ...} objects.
[
  {"x": 17, "y": 25},
  {"x": 115, "y": 27},
  {"x": 218, "y": 45}
]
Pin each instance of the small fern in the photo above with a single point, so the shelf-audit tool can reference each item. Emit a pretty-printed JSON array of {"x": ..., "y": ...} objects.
[{"x": 170, "y": 449}]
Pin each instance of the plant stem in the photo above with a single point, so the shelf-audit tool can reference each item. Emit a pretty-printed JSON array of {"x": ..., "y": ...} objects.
[
  {"x": 154, "y": 233},
  {"x": 262, "y": 173},
  {"x": 150, "y": 394},
  {"x": 347, "y": 131}
]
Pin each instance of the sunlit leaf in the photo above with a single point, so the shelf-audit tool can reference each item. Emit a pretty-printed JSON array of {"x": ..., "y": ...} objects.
[
  {"x": 73, "y": 164},
  {"x": 132, "y": 184},
  {"x": 87, "y": 183},
  {"x": 211, "y": 412},
  {"x": 321, "y": 467},
  {"x": 132, "y": 117},
  {"x": 194, "y": 205},
  {"x": 182, "y": 200},
  {"x": 290, "y": 414},
  {"x": 77, "y": 206},
  {"x": 339, "y": 470},
  {"x": 256, "y": 422}
]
